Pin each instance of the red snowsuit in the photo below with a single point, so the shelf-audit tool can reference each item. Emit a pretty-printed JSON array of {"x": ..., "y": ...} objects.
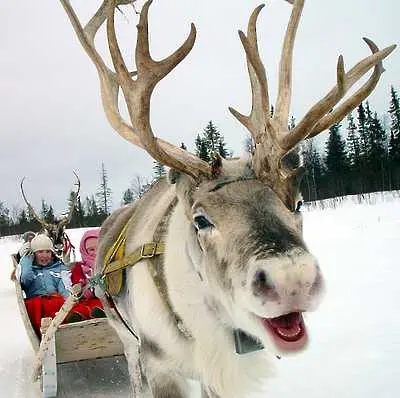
[
  {"x": 47, "y": 306},
  {"x": 88, "y": 299}
]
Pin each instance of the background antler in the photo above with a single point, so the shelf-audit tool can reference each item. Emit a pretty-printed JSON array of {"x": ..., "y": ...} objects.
[
  {"x": 270, "y": 133},
  {"x": 30, "y": 207},
  {"x": 137, "y": 92},
  {"x": 67, "y": 219}
]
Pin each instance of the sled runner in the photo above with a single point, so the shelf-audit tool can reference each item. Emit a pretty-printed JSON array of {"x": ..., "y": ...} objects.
[{"x": 72, "y": 342}]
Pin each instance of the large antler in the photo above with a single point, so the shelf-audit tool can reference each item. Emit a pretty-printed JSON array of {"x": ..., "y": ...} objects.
[
  {"x": 137, "y": 93},
  {"x": 270, "y": 133},
  {"x": 67, "y": 219},
  {"x": 30, "y": 207}
]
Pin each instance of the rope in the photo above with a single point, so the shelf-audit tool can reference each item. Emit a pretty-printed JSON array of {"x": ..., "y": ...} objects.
[{"x": 55, "y": 323}]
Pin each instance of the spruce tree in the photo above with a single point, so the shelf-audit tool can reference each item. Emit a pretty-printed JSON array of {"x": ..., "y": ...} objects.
[
  {"x": 103, "y": 193},
  {"x": 311, "y": 183},
  {"x": 128, "y": 197},
  {"x": 47, "y": 213},
  {"x": 5, "y": 221},
  {"x": 158, "y": 169},
  {"x": 201, "y": 149},
  {"x": 362, "y": 130},
  {"x": 211, "y": 141},
  {"x": 376, "y": 161},
  {"x": 336, "y": 162},
  {"x": 74, "y": 205},
  {"x": 394, "y": 140},
  {"x": 356, "y": 184},
  {"x": 94, "y": 217}
]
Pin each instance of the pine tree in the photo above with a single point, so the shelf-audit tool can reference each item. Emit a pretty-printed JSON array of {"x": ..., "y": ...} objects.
[
  {"x": 103, "y": 194},
  {"x": 22, "y": 218},
  {"x": 93, "y": 216},
  {"x": 201, "y": 149},
  {"x": 210, "y": 142},
  {"x": 376, "y": 161},
  {"x": 74, "y": 205},
  {"x": 394, "y": 140},
  {"x": 353, "y": 142},
  {"x": 5, "y": 221},
  {"x": 158, "y": 169},
  {"x": 356, "y": 183},
  {"x": 128, "y": 197},
  {"x": 311, "y": 183},
  {"x": 362, "y": 130},
  {"x": 47, "y": 213},
  {"x": 336, "y": 162}
]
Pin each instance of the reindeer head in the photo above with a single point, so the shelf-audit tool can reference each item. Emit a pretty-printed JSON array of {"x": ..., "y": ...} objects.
[
  {"x": 243, "y": 230},
  {"x": 55, "y": 231}
]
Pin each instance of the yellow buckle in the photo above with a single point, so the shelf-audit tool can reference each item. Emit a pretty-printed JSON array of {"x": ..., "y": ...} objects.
[{"x": 153, "y": 250}]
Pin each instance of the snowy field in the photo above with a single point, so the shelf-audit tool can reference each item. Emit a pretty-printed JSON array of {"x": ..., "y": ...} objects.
[{"x": 355, "y": 335}]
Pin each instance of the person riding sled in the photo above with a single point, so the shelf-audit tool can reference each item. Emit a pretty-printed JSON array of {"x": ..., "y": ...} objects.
[
  {"x": 83, "y": 271},
  {"x": 45, "y": 281}
]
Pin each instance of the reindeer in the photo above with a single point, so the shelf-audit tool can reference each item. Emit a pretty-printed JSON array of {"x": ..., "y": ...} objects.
[
  {"x": 215, "y": 262},
  {"x": 56, "y": 231}
]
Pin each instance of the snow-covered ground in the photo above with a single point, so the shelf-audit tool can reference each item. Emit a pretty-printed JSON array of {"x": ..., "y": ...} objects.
[{"x": 355, "y": 347}]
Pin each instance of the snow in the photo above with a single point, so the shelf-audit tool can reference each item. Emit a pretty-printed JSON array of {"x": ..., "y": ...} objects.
[{"x": 355, "y": 346}]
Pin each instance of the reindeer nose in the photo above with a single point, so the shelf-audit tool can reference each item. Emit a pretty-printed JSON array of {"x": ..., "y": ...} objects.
[
  {"x": 318, "y": 283},
  {"x": 263, "y": 286}
]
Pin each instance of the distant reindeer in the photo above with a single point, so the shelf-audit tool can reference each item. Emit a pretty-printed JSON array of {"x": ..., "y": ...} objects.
[
  {"x": 56, "y": 231},
  {"x": 215, "y": 260}
]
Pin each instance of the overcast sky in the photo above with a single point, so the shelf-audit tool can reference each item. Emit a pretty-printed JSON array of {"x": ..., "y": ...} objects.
[{"x": 51, "y": 117}]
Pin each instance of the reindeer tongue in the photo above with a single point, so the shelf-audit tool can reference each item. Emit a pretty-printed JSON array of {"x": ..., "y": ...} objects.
[{"x": 288, "y": 331}]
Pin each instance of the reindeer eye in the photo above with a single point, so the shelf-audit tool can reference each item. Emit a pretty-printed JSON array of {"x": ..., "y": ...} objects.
[{"x": 201, "y": 222}]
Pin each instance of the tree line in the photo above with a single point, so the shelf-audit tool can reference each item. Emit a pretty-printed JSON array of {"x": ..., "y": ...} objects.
[
  {"x": 365, "y": 159},
  {"x": 360, "y": 155},
  {"x": 95, "y": 208}
]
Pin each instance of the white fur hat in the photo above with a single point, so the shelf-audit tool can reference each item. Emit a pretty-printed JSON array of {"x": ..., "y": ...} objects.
[{"x": 41, "y": 242}]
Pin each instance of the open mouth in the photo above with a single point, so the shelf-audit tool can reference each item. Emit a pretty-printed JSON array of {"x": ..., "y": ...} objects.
[{"x": 288, "y": 331}]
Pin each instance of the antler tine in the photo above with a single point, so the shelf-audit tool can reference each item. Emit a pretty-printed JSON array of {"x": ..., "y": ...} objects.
[
  {"x": 321, "y": 108},
  {"x": 281, "y": 114},
  {"x": 108, "y": 81},
  {"x": 351, "y": 103},
  {"x": 78, "y": 184},
  {"x": 138, "y": 92},
  {"x": 259, "y": 86},
  {"x": 67, "y": 219},
  {"x": 30, "y": 207},
  {"x": 110, "y": 84}
]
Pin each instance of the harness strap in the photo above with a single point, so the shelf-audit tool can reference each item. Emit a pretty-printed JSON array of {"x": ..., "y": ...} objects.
[{"x": 145, "y": 251}]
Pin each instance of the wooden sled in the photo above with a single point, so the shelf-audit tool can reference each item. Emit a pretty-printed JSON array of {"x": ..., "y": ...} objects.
[{"x": 72, "y": 342}]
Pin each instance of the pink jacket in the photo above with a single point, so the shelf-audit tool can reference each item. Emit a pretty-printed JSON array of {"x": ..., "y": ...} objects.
[{"x": 83, "y": 270}]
